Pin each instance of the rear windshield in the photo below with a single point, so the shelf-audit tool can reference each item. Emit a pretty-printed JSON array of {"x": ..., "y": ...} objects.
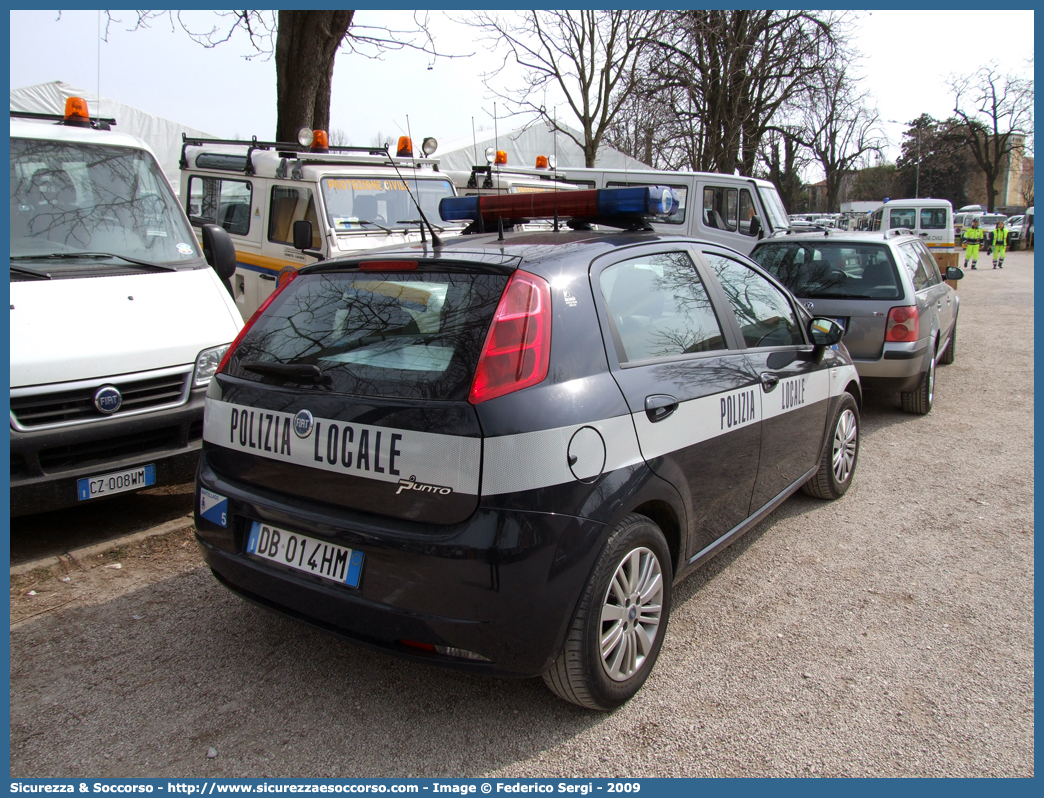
[
  {"x": 410, "y": 336},
  {"x": 832, "y": 270}
]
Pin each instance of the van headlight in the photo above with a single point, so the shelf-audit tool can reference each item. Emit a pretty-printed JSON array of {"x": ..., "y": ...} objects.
[{"x": 207, "y": 363}]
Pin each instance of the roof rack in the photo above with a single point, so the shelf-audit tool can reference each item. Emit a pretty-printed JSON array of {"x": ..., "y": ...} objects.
[
  {"x": 97, "y": 122},
  {"x": 488, "y": 171},
  {"x": 336, "y": 154}
]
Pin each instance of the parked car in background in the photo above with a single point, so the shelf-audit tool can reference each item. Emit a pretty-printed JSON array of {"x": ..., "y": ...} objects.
[
  {"x": 931, "y": 219},
  {"x": 1014, "y": 225},
  {"x": 988, "y": 223},
  {"x": 885, "y": 289}
]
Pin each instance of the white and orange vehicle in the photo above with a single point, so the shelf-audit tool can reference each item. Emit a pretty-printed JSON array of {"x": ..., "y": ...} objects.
[{"x": 356, "y": 198}]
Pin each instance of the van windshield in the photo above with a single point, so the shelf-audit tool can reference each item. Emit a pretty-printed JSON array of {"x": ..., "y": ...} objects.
[
  {"x": 372, "y": 203},
  {"x": 70, "y": 199},
  {"x": 777, "y": 214}
]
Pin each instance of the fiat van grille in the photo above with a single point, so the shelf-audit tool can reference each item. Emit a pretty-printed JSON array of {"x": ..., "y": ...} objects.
[{"x": 73, "y": 403}]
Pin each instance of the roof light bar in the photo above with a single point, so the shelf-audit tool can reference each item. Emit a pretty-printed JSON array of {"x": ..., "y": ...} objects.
[{"x": 655, "y": 201}]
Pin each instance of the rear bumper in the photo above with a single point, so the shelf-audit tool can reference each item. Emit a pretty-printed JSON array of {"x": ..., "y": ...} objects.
[
  {"x": 898, "y": 369},
  {"x": 46, "y": 464},
  {"x": 503, "y": 584}
]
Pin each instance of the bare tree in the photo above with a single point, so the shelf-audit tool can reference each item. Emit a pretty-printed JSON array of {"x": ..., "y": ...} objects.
[
  {"x": 840, "y": 128},
  {"x": 305, "y": 45},
  {"x": 339, "y": 138},
  {"x": 783, "y": 160},
  {"x": 996, "y": 111},
  {"x": 727, "y": 73},
  {"x": 588, "y": 56}
]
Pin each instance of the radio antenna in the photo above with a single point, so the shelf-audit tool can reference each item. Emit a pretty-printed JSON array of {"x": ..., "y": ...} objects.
[
  {"x": 496, "y": 151},
  {"x": 435, "y": 240},
  {"x": 554, "y": 169}
]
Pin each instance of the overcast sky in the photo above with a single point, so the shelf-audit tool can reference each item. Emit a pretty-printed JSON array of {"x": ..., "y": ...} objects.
[{"x": 907, "y": 57}]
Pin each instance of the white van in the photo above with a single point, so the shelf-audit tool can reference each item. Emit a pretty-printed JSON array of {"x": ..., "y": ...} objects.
[
  {"x": 356, "y": 198},
  {"x": 734, "y": 211},
  {"x": 931, "y": 219},
  {"x": 117, "y": 320}
]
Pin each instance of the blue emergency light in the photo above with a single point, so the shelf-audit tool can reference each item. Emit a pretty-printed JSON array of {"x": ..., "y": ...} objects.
[{"x": 601, "y": 203}]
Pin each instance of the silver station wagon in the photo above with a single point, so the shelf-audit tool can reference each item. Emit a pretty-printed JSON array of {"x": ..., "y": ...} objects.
[{"x": 886, "y": 290}]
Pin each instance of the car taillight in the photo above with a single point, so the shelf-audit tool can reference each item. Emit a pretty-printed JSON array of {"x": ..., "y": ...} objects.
[
  {"x": 518, "y": 345},
  {"x": 285, "y": 280},
  {"x": 903, "y": 324}
]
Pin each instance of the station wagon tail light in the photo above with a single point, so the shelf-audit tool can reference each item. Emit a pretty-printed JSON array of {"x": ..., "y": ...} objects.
[
  {"x": 903, "y": 325},
  {"x": 518, "y": 345},
  {"x": 289, "y": 278}
]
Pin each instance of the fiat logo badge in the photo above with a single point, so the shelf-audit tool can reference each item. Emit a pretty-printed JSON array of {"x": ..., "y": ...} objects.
[
  {"x": 107, "y": 399},
  {"x": 303, "y": 424}
]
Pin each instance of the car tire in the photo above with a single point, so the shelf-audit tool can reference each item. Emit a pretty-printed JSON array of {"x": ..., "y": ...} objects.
[
  {"x": 950, "y": 354},
  {"x": 837, "y": 464},
  {"x": 627, "y": 600},
  {"x": 920, "y": 401}
]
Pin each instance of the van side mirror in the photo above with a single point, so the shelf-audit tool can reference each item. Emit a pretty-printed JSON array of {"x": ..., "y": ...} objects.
[
  {"x": 220, "y": 252},
  {"x": 303, "y": 238},
  {"x": 302, "y": 234},
  {"x": 755, "y": 227}
]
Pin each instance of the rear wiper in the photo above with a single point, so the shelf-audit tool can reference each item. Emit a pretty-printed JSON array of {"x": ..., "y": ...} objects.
[
  {"x": 30, "y": 273},
  {"x": 75, "y": 255},
  {"x": 299, "y": 372}
]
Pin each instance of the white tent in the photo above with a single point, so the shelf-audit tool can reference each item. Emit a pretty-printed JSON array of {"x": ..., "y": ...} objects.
[
  {"x": 163, "y": 135},
  {"x": 523, "y": 146}
]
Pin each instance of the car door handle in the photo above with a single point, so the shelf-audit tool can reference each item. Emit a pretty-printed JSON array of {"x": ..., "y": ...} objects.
[
  {"x": 659, "y": 406},
  {"x": 769, "y": 381}
]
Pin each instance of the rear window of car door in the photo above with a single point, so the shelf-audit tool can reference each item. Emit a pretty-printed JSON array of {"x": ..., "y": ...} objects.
[
  {"x": 910, "y": 261},
  {"x": 659, "y": 308},
  {"x": 763, "y": 312}
]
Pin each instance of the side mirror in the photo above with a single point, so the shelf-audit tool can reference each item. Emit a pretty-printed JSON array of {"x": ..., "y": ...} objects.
[
  {"x": 824, "y": 331},
  {"x": 219, "y": 251},
  {"x": 755, "y": 227},
  {"x": 303, "y": 238},
  {"x": 302, "y": 234},
  {"x": 953, "y": 273}
]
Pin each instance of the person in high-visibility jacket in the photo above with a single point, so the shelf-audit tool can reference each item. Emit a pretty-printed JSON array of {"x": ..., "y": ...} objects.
[
  {"x": 972, "y": 238},
  {"x": 999, "y": 245}
]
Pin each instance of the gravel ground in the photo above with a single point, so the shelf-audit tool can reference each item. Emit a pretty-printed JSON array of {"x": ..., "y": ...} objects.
[{"x": 887, "y": 634}]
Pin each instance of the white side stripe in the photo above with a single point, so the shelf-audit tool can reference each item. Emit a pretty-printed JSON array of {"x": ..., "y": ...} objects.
[{"x": 378, "y": 453}]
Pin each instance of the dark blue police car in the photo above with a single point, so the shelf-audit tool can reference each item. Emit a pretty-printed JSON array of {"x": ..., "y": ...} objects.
[{"x": 501, "y": 452}]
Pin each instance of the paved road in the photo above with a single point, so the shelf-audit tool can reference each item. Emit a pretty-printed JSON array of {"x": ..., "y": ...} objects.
[{"x": 887, "y": 634}]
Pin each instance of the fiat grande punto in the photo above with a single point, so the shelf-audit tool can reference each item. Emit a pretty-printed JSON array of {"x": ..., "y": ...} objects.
[{"x": 500, "y": 453}]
